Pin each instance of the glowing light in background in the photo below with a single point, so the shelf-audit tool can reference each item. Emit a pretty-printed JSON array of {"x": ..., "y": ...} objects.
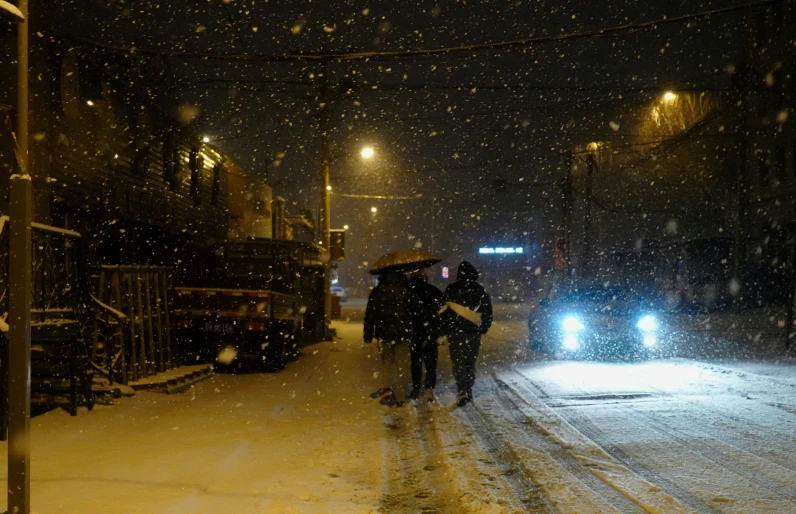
[{"x": 367, "y": 152}]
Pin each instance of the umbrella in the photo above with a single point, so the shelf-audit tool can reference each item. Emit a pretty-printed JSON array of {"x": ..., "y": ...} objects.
[{"x": 404, "y": 260}]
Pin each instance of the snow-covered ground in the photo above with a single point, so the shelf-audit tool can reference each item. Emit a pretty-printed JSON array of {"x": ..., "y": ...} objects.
[{"x": 677, "y": 435}]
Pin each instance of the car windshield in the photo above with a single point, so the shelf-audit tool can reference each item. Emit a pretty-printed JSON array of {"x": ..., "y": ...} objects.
[{"x": 397, "y": 256}]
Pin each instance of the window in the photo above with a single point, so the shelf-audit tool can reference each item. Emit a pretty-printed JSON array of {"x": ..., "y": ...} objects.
[
  {"x": 781, "y": 163},
  {"x": 196, "y": 162},
  {"x": 763, "y": 167},
  {"x": 171, "y": 161},
  {"x": 218, "y": 169}
]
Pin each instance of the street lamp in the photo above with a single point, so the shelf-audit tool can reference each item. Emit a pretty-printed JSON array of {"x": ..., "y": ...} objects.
[
  {"x": 669, "y": 97},
  {"x": 373, "y": 210},
  {"x": 326, "y": 203},
  {"x": 206, "y": 139},
  {"x": 345, "y": 227}
]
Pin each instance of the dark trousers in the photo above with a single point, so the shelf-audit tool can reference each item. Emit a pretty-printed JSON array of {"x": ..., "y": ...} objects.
[
  {"x": 424, "y": 353},
  {"x": 464, "y": 352}
]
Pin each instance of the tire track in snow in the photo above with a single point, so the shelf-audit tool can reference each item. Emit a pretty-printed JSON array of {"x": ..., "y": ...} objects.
[
  {"x": 585, "y": 427},
  {"x": 744, "y": 470},
  {"x": 417, "y": 483},
  {"x": 525, "y": 488},
  {"x": 531, "y": 437}
]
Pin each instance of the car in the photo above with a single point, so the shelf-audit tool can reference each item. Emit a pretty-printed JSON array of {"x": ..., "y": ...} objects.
[
  {"x": 596, "y": 321},
  {"x": 337, "y": 290}
]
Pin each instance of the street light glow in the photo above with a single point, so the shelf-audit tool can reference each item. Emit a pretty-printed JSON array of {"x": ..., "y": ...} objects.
[
  {"x": 90, "y": 103},
  {"x": 206, "y": 139},
  {"x": 367, "y": 152},
  {"x": 328, "y": 188},
  {"x": 373, "y": 210},
  {"x": 669, "y": 96},
  {"x": 345, "y": 227}
]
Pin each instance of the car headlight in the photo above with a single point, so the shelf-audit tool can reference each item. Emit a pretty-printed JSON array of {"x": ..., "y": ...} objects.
[
  {"x": 570, "y": 342},
  {"x": 572, "y": 324},
  {"x": 647, "y": 324}
]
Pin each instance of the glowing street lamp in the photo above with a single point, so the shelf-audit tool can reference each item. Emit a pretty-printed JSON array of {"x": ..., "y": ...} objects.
[
  {"x": 669, "y": 97},
  {"x": 373, "y": 210},
  {"x": 367, "y": 152},
  {"x": 206, "y": 139},
  {"x": 345, "y": 227}
]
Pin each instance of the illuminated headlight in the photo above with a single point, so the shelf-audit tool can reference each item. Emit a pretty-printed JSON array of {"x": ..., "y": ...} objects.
[
  {"x": 571, "y": 342},
  {"x": 572, "y": 324},
  {"x": 647, "y": 324},
  {"x": 650, "y": 340}
]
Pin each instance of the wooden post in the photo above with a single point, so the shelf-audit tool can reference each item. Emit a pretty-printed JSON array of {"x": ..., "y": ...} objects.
[
  {"x": 151, "y": 365},
  {"x": 142, "y": 346},
  {"x": 158, "y": 312},
  {"x": 133, "y": 364},
  {"x": 165, "y": 285},
  {"x": 117, "y": 295}
]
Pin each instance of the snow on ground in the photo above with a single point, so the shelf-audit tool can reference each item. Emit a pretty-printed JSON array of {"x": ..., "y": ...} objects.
[
  {"x": 664, "y": 436},
  {"x": 306, "y": 440},
  {"x": 676, "y": 435}
]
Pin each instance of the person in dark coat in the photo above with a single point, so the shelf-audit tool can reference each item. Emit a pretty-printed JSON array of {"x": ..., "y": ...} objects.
[
  {"x": 388, "y": 319},
  {"x": 426, "y": 302},
  {"x": 465, "y": 316}
]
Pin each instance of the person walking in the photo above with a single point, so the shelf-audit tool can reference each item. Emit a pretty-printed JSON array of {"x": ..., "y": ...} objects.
[
  {"x": 388, "y": 319},
  {"x": 466, "y": 315},
  {"x": 426, "y": 302}
]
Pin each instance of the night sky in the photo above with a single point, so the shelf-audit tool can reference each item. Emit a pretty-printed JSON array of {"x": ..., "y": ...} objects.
[{"x": 443, "y": 126}]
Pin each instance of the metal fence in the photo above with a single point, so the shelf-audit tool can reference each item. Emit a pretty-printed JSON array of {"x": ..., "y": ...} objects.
[{"x": 134, "y": 338}]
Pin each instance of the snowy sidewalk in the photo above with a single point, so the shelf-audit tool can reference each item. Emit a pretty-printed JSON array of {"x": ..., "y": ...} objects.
[{"x": 304, "y": 440}]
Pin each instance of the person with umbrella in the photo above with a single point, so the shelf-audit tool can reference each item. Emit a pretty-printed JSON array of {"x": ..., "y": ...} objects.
[
  {"x": 465, "y": 316},
  {"x": 388, "y": 319},
  {"x": 426, "y": 302}
]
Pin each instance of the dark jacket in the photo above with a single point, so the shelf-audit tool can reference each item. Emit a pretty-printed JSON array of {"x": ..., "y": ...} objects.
[
  {"x": 426, "y": 302},
  {"x": 466, "y": 291},
  {"x": 388, "y": 315}
]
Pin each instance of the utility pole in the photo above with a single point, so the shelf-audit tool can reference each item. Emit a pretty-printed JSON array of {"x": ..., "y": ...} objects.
[
  {"x": 433, "y": 221},
  {"x": 21, "y": 216},
  {"x": 326, "y": 189},
  {"x": 591, "y": 166},
  {"x": 566, "y": 214}
]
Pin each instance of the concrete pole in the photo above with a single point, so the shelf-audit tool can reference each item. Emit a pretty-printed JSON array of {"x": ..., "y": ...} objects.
[
  {"x": 326, "y": 202},
  {"x": 20, "y": 211}
]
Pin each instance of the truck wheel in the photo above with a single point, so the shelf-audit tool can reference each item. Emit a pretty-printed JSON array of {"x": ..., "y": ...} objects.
[
  {"x": 294, "y": 344},
  {"x": 275, "y": 354}
]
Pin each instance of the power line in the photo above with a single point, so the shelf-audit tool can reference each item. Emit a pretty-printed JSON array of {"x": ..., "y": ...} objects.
[{"x": 630, "y": 28}]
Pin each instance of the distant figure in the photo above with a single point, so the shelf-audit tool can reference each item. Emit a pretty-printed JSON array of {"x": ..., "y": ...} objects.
[
  {"x": 388, "y": 319},
  {"x": 426, "y": 302},
  {"x": 465, "y": 316}
]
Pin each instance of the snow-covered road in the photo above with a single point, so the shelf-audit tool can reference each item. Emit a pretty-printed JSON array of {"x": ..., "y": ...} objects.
[
  {"x": 664, "y": 436},
  {"x": 660, "y": 436}
]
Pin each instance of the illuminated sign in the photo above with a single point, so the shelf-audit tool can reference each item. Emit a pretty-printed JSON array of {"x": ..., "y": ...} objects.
[
  {"x": 445, "y": 272},
  {"x": 499, "y": 251}
]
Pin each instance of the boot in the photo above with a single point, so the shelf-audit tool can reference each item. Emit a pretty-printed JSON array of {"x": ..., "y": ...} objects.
[
  {"x": 415, "y": 393},
  {"x": 464, "y": 399},
  {"x": 378, "y": 393}
]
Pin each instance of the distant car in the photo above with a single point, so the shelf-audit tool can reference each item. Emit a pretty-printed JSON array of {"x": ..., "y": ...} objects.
[
  {"x": 339, "y": 291},
  {"x": 593, "y": 321}
]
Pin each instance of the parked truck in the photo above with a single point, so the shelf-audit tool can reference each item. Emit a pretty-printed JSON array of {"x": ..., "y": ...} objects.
[{"x": 247, "y": 303}]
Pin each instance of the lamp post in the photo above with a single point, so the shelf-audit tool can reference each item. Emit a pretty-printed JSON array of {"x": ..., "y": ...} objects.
[{"x": 20, "y": 214}]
